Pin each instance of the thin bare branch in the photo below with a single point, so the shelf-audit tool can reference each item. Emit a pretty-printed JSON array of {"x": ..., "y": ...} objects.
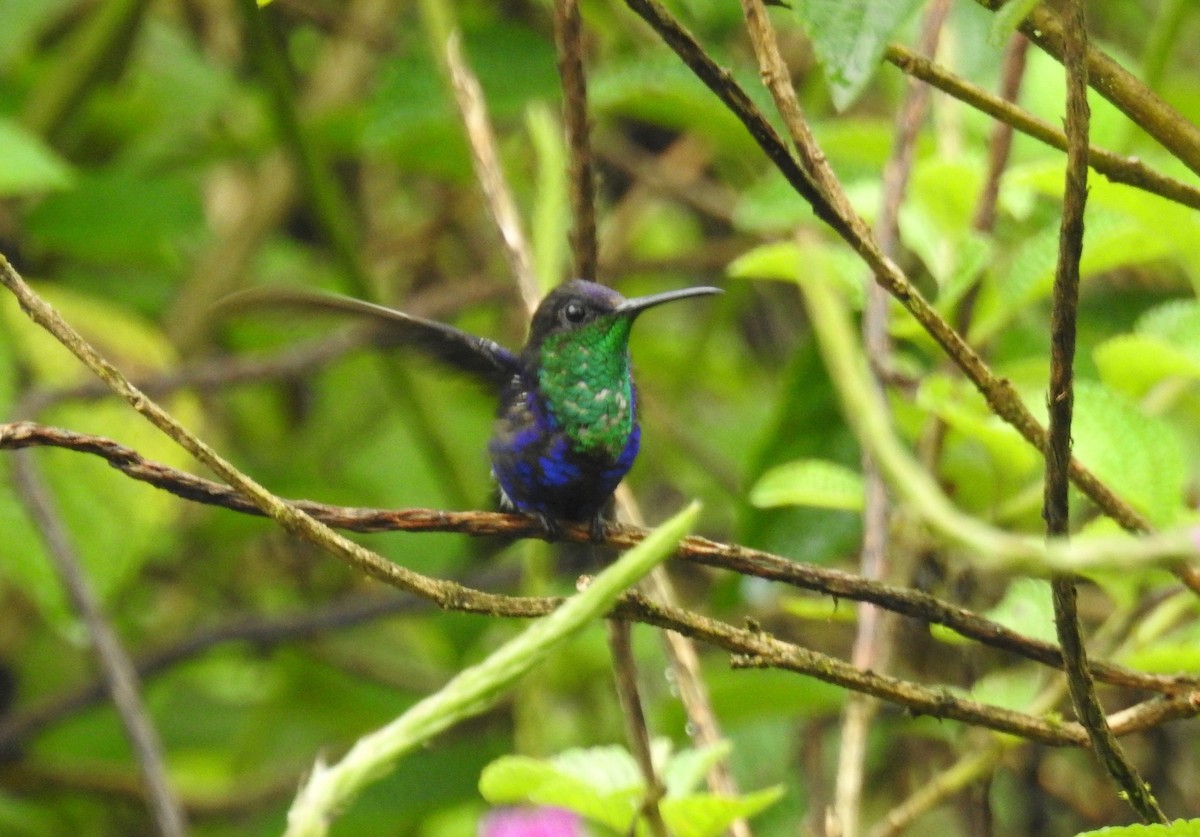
[
  {"x": 1012, "y": 72},
  {"x": 733, "y": 558},
  {"x": 754, "y": 648},
  {"x": 120, "y": 676},
  {"x": 489, "y": 173},
  {"x": 1146, "y": 108},
  {"x": 625, "y": 674},
  {"x": 1060, "y": 407},
  {"x": 1127, "y": 170},
  {"x": 568, "y": 40}
]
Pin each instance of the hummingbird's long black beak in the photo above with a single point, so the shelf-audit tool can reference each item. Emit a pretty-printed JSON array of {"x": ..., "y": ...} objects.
[{"x": 635, "y": 306}]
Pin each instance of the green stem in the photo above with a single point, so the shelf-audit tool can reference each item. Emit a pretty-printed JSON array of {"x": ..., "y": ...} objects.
[{"x": 990, "y": 547}]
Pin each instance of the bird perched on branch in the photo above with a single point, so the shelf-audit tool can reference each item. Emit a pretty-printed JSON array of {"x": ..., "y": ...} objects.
[{"x": 566, "y": 429}]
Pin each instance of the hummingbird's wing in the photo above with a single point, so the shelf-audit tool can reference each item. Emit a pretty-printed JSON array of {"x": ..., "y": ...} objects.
[{"x": 478, "y": 356}]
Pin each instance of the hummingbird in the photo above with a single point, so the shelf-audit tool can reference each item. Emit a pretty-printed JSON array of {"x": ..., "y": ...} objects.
[{"x": 566, "y": 430}]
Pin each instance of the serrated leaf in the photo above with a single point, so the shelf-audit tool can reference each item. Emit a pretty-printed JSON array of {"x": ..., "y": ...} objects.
[
  {"x": 809, "y": 482},
  {"x": 849, "y": 37},
  {"x": 27, "y": 165},
  {"x": 1111, "y": 240},
  {"x": 1176, "y": 322},
  {"x": 1140, "y": 454},
  {"x": 604, "y": 784},
  {"x": 707, "y": 815},
  {"x": 607, "y": 769},
  {"x": 971, "y": 257},
  {"x": 1134, "y": 363}
]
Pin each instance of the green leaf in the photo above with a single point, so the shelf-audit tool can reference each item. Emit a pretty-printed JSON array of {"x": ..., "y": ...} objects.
[
  {"x": 1111, "y": 240},
  {"x": 1140, "y": 454},
  {"x": 809, "y": 482},
  {"x": 787, "y": 261},
  {"x": 770, "y": 206},
  {"x": 607, "y": 769},
  {"x": 1028, "y": 607},
  {"x": 707, "y": 815},
  {"x": 849, "y": 37},
  {"x": 686, "y": 769},
  {"x": 1179, "y": 652},
  {"x": 412, "y": 114},
  {"x": 604, "y": 785},
  {"x": 1178, "y": 828},
  {"x": 27, "y": 165},
  {"x": 122, "y": 217},
  {"x": 662, "y": 91},
  {"x": 1135, "y": 363},
  {"x": 1177, "y": 323},
  {"x": 957, "y": 404},
  {"x": 779, "y": 260},
  {"x": 1008, "y": 688},
  {"x": 1009, "y": 17},
  {"x": 601, "y": 784}
]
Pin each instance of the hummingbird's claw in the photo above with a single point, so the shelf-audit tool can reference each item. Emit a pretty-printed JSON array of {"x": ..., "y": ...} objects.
[
  {"x": 598, "y": 528},
  {"x": 550, "y": 526}
]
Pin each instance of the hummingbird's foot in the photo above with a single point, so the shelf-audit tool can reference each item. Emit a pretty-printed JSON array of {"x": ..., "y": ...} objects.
[
  {"x": 598, "y": 528},
  {"x": 550, "y": 526}
]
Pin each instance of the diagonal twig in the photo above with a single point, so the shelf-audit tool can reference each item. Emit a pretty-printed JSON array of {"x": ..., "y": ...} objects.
[
  {"x": 488, "y": 172},
  {"x": 120, "y": 676},
  {"x": 1117, "y": 168}
]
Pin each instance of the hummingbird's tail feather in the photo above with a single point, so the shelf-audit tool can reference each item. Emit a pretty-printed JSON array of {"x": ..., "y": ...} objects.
[{"x": 478, "y": 356}]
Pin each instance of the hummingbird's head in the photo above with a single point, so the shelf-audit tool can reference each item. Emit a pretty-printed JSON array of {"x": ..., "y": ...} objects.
[
  {"x": 595, "y": 313},
  {"x": 579, "y": 349},
  {"x": 571, "y": 307}
]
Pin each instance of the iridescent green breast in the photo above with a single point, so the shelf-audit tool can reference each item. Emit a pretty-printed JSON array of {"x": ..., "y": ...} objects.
[{"x": 584, "y": 378}]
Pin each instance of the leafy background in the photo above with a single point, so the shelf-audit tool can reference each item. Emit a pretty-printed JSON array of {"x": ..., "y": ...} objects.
[{"x": 153, "y": 159}]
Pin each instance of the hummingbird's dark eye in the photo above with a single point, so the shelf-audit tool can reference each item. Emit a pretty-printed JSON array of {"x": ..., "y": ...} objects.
[{"x": 574, "y": 312}]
